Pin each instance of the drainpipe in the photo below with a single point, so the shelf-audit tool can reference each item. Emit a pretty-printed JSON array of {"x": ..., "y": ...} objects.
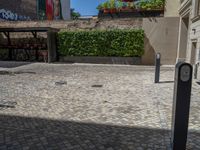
[{"x": 179, "y": 39}]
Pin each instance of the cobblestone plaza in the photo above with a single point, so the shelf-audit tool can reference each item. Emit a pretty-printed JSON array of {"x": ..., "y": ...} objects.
[{"x": 89, "y": 107}]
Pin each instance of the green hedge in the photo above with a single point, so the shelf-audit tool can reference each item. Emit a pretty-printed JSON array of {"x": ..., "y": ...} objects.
[{"x": 101, "y": 43}]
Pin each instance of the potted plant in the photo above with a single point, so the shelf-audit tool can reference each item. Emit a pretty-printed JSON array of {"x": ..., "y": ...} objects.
[
  {"x": 112, "y": 6},
  {"x": 125, "y": 6},
  {"x": 127, "y": 0},
  {"x": 151, "y": 4},
  {"x": 131, "y": 5},
  {"x": 100, "y": 7},
  {"x": 142, "y": 5},
  {"x": 160, "y": 4},
  {"x": 105, "y": 7},
  {"x": 119, "y": 5}
]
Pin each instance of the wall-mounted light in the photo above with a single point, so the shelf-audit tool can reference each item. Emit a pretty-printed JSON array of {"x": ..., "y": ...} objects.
[{"x": 194, "y": 31}]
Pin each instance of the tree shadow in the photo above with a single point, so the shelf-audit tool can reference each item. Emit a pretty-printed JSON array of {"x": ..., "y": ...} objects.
[
  {"x": 13, "y": 64},
  {"x": 166, "y": 81},
  {"x": 35, "y": 133}
]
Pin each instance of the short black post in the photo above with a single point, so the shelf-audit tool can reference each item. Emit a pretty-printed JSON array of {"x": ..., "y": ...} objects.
[
  {"x": 51, "y": 44},
  {"x": 196, "y": 71},
  {"x": 10, "y": 50},
  {"x": 181, "y": 105},
  {"x": 157, "y": 67}
]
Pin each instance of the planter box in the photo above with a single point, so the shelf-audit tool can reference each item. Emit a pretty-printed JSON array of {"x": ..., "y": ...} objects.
[
  {"x": 127, "y": 0},
  {"x": 151, "y": 10},
  {"x": 127, "y": 9},
  {"x": 132, "y": 13},
  {"x": 102, "y": 60}
]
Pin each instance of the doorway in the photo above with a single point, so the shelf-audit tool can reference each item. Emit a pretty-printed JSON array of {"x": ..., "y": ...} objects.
[
  {"x": 183, "y": 37},
  {"x": 193, "y": 53}
]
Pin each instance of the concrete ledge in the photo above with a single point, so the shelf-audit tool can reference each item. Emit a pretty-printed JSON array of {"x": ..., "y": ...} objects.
[{"x": 102, "y": 60}]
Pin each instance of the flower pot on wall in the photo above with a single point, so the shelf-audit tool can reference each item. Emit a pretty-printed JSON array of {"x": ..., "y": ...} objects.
[
  {"x": 126, "y": 9},
  {"x": 127, "y": 0},
  {"x": 106, "y": 11},
  {"x": 113, "y": 10}
]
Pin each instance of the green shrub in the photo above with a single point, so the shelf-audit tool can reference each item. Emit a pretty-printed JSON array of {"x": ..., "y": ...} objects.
[
  {"x": 151, "y": 4},
  {"x": 101, "y": 43}
]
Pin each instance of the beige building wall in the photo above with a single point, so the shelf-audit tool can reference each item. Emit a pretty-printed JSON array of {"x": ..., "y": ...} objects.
[
  {"x": 161, "y": 37},
  {"x": 193, "y": 33},
  {"x": 183, "y": 39},
  {"x": 194, "y": 42},
  {"x": 171, "y": 8},
  {"x": 187, "y": 9}
]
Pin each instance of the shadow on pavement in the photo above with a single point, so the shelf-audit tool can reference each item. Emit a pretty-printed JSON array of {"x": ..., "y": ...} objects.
[
  {"x": 166, "y": 82},
  {"x": 41, "y": 134},
  {"x": 12, "y": 64}
]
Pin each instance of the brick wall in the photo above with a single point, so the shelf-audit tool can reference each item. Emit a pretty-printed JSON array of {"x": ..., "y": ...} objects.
[{"x": 26, "y": 8}]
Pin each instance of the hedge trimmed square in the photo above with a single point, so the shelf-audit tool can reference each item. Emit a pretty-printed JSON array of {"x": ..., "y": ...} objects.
[{"x": 122, "y": 43}]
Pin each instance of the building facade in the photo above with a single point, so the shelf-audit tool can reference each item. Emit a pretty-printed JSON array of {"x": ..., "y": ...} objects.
[
  {"x": 21, "y": 10},
  {"x": 189, "y": 32},
  {"x": 171, "y": 8}
]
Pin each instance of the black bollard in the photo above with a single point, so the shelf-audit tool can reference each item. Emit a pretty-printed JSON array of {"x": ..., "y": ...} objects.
[
  {"x": 157, "y": 67},
  {"x": 181, "y": 105}
]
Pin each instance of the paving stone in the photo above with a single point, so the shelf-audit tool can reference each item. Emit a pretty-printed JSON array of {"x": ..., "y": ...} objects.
[{"x": 128, "y": 112}]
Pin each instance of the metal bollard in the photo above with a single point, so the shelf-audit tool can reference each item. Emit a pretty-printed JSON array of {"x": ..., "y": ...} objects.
[
  {"x": 181, "y": 105},
  {"x": 157, "y": 68}
]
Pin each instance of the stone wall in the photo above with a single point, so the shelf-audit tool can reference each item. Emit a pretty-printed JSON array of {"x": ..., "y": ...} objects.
[
  {"x": 161, "y": 34},
  {"x": 80, "y": 24}
]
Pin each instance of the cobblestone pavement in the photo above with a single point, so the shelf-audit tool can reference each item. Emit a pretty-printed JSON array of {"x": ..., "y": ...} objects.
[{"x": 89, "y": 107}]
